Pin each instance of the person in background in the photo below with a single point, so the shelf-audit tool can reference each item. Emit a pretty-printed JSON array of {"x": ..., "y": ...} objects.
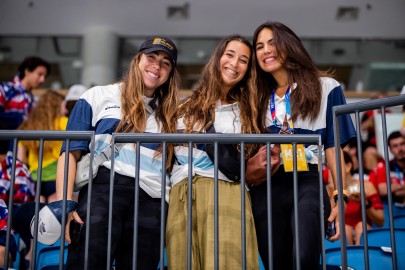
[
  {"x": 396, "y": 144},
  {"x": 374, "y": 206},
  {"x": 352, "y": 149},
  {"x": 368, "y": 125},
  {"x": 46, "y": 115},
  {"x": 73, "y": 95},
  {"x": 3, "y": 234},
  {"x": 371, "y": 157},
  {"x": 23, "y": 192},
  {"x": 223, "y": 99},
  {"x": 294, "y": 97},
  {"x": 16, "y": 99},
  {"x": 144, "y": 101}
]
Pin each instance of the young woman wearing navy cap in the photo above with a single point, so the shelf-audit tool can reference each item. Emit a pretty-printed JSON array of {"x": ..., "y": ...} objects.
[{"x": 144, "y": 101}]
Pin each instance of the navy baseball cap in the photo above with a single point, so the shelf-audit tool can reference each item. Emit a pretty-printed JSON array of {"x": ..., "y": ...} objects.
[{"x": 159, "y": 43}]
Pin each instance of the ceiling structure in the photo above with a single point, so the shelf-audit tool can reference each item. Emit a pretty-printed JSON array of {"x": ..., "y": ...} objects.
[{"x": 359, "y": 19}]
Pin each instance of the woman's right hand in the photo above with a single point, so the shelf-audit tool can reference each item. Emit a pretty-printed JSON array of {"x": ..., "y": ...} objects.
[{"x": 72, "y": 216}]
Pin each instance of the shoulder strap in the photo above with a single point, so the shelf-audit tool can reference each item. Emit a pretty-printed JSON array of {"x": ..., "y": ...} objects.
[
  {"x": 210, "y": 128},
  {"x": 106, "y": 153}
]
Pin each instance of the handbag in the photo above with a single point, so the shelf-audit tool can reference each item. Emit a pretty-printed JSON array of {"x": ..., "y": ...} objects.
[
  {"x": 83, "y": 165},
  {"x": 229, "y": 163}
]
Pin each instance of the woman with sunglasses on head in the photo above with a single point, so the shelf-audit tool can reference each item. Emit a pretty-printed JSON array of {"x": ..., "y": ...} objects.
[
  {"x": 144, "y": 101},
  {"x": 223, "y": 100},
  {"x": 294, "y": 97}
]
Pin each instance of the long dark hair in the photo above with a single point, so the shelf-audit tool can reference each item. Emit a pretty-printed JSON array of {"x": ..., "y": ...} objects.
[
  {"x": 43, "y": 117},
  {"x": 301, "y": 69}
]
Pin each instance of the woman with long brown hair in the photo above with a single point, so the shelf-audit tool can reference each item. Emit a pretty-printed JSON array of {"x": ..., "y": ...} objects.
[
  {"x": 295, "y": 97},
  {"x": 144, "y": 101},
  {"x": 224, "y": 101},
  {"x": 46, "y": 115}
]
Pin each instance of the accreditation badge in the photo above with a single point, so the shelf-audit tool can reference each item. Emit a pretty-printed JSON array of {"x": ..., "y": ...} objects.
[{"x": 287, "y": 154}]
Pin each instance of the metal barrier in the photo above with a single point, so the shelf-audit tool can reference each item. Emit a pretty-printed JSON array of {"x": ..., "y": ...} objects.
[
  {"x": 190, "y": 139},
  {"x": 243, "y": 139},
  {"x": 356, "y": 108}
]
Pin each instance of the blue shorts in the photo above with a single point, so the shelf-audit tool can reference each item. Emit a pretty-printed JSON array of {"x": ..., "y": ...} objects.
[{"x": 48, "y": 188}]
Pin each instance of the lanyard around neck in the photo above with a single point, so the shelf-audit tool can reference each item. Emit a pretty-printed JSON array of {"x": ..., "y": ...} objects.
[{"x": 287, "y": 109}]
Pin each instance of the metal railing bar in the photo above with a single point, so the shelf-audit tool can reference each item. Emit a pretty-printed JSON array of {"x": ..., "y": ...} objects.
[
  {"x": 64, "y": 198},
  {"x": 216, "y": 209},
  {"x": 46, "y": 135},
  {"x": 163, "y": 206},
  {"x": 136, "y": 207},
  {"x": 10, "y": 203},
  {"x": 110, "y": 210},
  {"x": 339, "y": 187},
  {"x": 269, "y": 206},
  {"x": 367, "y": 105},
  {"x": 296, "y": 210},
  {"x": 38, "y": 195},
  {"x": 89, "y": 196},
  {"x": 362, "y": 191},
  {"x": 321, "y": 208},
  {"x": 243, "y": 204},
  {"x": 210, "y": 138},
  {"x": 190, "y": 204},
  {"x": 389, "y": 192}
]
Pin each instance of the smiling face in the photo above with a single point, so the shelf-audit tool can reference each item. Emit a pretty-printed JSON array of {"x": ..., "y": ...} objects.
[
  {"x": 266, "y": 52},
  {"x": 234, "y": 63},
  {"x": 155, "y": 69}
]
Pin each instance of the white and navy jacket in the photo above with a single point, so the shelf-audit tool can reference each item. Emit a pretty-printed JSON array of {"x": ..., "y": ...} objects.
[
  {"x": 99, "y": 110},
  {"x": 332, "y": 95},
  {"x": 227, "y": 120}
]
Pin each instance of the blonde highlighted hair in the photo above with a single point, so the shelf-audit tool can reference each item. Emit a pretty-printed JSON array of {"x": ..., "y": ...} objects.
[
  {"x": 42, "y": 117},
  {"x": 201, "y": 104},
  {"x": 133, "y": 109}
]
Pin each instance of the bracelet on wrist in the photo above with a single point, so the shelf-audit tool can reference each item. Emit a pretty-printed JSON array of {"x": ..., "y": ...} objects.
[
  {"x": 345, "y": 197},
  {"x": 335, "y": 192}
]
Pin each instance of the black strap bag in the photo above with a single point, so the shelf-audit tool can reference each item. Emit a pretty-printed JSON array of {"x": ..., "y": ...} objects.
[{"x": 229, "y": 159}]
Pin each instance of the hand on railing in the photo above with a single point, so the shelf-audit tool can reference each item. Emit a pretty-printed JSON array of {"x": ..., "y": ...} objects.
[{"x": 256, "y": 168}]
